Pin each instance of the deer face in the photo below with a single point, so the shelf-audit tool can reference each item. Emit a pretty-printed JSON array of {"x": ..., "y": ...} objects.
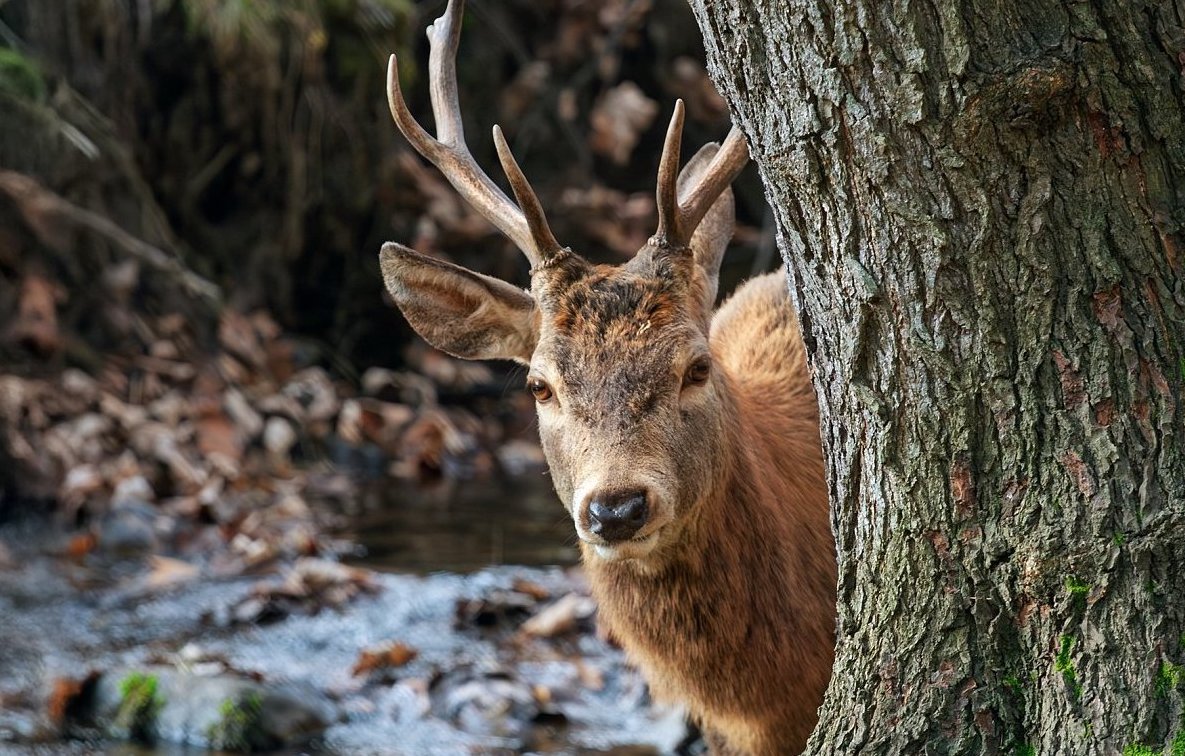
[
  {"x": 629, "y": 406},
  {"x": 620, "y": 367}
]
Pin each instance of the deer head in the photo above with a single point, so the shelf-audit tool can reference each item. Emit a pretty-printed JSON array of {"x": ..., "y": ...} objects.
[{"x": 632, "y": 416}]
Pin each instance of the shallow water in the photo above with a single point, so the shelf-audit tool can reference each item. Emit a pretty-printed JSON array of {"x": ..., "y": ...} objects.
[{"x": 463, "y": 527}]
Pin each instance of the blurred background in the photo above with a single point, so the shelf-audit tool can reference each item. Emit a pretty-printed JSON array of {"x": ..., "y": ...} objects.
[{"x": 209, "y": 407}]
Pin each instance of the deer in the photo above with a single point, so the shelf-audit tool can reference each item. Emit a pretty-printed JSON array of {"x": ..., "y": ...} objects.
[{"x": 683, "y": 439}]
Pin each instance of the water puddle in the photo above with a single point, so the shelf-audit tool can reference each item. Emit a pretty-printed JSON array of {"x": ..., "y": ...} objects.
[{"x": 463, "y": 527}]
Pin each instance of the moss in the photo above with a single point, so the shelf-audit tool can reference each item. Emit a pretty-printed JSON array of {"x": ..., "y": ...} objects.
[
  {"x": 237, "y": 728},
  {"x": 1025, "y": 750},
  {"x": 1012, "y": 681},
  {"x": 1120, "y": 538},
  {"x": 20, "y": 77},
  {"x": 1065, "y": 665},
  {"x": 139, "y": 703},
  {"x": 1078, "y": 591},
  {"x": 1136, "y": 749},
  {"x": 1177, "y": 747},
  {"x": 1168, "y": 678}
]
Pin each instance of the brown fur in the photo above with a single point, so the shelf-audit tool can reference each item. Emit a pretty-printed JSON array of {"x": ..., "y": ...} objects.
[
  {"x": 740, "y": 625},
  {"x": 726, "y": 596}
]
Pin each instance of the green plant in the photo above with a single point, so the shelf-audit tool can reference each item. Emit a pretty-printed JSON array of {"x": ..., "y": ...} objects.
[
  {"x": 139, "y": 703},
  {"x": 1168, "y": 678},
  {"x": 1065, "y": 665},
  {"x": 238, "y": 724},
  {"x": 20, "y": 76}
]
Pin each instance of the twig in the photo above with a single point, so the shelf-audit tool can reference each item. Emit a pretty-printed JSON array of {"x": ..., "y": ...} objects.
[{"x": 37, "y": 202}]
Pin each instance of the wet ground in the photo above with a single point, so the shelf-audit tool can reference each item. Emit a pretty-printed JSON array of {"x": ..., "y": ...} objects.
[{"x": 477, "y": 681}]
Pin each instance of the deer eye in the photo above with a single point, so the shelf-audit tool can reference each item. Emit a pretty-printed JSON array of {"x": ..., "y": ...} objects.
[
  {"x": 539, "y": 389},
  {"x": 697, "y": 373}
]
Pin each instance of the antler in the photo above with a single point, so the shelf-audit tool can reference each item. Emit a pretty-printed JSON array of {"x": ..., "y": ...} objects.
[
  {"x": 677, "y": 220},
  {"x": 526, "y": 226}
]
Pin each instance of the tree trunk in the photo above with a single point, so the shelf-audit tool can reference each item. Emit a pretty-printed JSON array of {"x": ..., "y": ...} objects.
[{"x": 981, "y": 207}]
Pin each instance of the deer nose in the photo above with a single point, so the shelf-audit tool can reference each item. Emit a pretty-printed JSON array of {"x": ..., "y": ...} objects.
[{"x": 617, "y": 516}]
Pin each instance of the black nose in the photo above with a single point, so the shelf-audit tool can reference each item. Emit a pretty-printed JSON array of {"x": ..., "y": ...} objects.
[{"x": 617, "y": 515}]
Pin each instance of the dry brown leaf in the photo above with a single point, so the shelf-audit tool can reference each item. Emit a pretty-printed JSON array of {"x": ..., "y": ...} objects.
[
  {"x": 530, "y": 588},
  {"x": 564, "y": 616},
  {"x": 166, "y": 571},
  {"x": 238, "y": 336},
  {"x": 618, "y": 120},
  {"x": 36, "y": 324},
  {"x": 387, "y": 656},
  {"x": 219, "y": 441},
  {"x": 80, "y": 545},
  {"x": 64, "y": 691}
]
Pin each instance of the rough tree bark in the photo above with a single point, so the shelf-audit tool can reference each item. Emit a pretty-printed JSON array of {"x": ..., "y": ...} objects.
[{"x": 982, "y": 209}]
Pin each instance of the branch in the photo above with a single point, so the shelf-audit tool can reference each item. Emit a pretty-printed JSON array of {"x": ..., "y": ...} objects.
[{"x": 41, "y": 208}]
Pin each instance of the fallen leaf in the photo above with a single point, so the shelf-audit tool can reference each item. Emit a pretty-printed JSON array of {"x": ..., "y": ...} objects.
[
  {"x": 387, "y": 656},
  {"x": 564, "y": 616},
  {"x": 618, "y": 120},
  {"x": 64, "y": 691},
  {"x": 532, "y": 589},
  {"x": 36, "y": 324},
  {"x": 166, "y": 572}
]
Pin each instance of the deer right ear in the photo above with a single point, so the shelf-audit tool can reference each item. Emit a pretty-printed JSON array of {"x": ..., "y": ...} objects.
[{"x": 458, "y": 311}]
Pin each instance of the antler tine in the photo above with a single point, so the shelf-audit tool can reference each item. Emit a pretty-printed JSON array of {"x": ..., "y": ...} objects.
[
  {"x": 541, "y": 234},
  {"x": 725, "y": 166},
  {"x": 448, "y": 151},
  {"x": 678, "y": 216},
  {"x": 666, "y": 192}
]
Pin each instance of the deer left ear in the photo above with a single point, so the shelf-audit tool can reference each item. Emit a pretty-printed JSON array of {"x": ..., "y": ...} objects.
[{"x": 458, "y": 311}]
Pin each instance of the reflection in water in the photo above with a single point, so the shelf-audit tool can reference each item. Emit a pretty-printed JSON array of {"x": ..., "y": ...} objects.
[{"x": 462, "y": 527}]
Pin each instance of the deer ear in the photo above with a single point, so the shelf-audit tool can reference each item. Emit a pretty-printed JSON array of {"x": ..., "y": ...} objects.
[
  {"x": 714, "y": 232},
  {"x": 458, "y": 311}
]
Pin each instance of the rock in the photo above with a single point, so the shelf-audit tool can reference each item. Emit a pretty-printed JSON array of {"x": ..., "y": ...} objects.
[
  {"x": 133, "y": 488},
  {"x": 490, "y": 704},
  {"x": 220, "y": 711},
  {"x": 128, "y": 529}
]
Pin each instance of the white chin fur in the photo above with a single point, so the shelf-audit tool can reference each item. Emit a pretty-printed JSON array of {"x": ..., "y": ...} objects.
[{"x": 626, "y": 550}]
